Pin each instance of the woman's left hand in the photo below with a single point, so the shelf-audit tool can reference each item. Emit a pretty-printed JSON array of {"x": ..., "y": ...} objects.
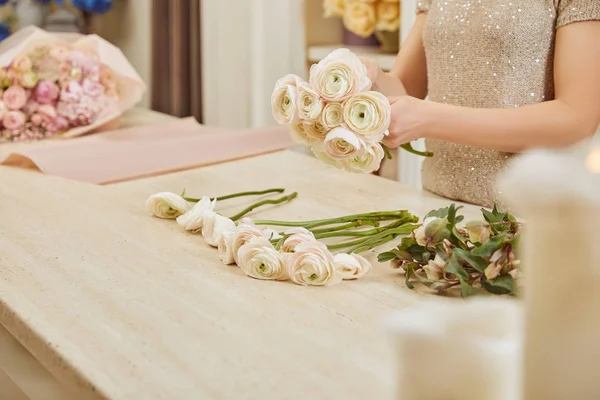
[{"x": 407, "y": 120}]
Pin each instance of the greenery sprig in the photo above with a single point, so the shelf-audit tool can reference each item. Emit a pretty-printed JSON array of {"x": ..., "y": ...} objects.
[{"x": 477, "y": 257}]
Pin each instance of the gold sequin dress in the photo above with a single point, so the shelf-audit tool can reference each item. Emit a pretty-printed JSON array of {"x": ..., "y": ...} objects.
[{"x": 488, "y": 54}]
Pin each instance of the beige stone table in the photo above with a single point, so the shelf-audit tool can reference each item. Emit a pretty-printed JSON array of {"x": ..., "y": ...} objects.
[{"x": 115, "y": 304}]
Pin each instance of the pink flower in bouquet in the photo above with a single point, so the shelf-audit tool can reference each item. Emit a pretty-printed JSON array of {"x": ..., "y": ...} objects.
[
  {"x": 60, "y": 124},
  {"x": 22, "y": 63},
  {"x": 46, "y": 92},
  {"x": 60, "y": 53},
  {"x": 31, "y": 106},
  {"x": 3, "y": 109},
  {"x": 13, "y": 120},
  {"x": 91, "y": 88},
  {"x": 15, "y": 97},
  {"x": 36, "y": 119},
  {"x": 47, "y": 112},
  {"x": 77, "y": 57},
  {"x": 72, "y": 91},
  {"x": 64, "y": 69}
]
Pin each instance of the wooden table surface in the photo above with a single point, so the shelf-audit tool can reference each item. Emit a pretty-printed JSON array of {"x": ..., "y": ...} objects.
[{"x": 117, "y": 304}]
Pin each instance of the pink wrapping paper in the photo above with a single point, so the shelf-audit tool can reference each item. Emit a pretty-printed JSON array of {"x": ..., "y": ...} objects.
[
  {"x": 130, "y": 85},
  {"x": 137, "y": 152}
]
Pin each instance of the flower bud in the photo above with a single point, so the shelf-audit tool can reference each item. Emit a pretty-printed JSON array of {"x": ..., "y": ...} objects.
[
  {"x": 436, "y": 231},
  {"x": 478, "y": 231}
]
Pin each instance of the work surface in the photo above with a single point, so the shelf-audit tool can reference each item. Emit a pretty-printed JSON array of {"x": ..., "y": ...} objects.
[{"x": 117, "y": 304}]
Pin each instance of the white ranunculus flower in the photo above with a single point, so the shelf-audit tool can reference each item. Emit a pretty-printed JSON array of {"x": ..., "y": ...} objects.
[
  {"x": 284, "y": 100},
  {"x": 332, "y": 116},
  {"x": 295, "y": 238},
  {"x": 225, "y": 248},
  {"x": 339, "y": 75},
  {"x": 214, "y": 225},
  {"x": 312, "y": 264},
  {"x": 368, "y": 114},
  {"x": 341, "y": 143},
  {"x": 192, "y": 220},
  {"x": 315, "y": 131},
  {"x": 259, "y": 259},
  {"x": 243, "y": 234},
  {"x": 323, "y": 157},
  {"x": 351, "y": 266},
  {"x": 365, "y": 161},
  {"x": 310, "y": 104},
  {"x": 167, "y": 205},
  {"x": 299, "y": 134}
]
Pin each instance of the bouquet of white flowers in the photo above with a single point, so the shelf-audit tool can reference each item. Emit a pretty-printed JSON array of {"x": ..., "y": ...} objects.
[{"x": 335, "y": 113}]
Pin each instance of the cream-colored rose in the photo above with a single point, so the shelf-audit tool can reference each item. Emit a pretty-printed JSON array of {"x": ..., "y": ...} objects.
[
  {"x": 365, "y": 161},
  {"x": 243, "y": 234},
  {"x": 296, "y": 237},
  {"x": 225, "y": 248},
  {"x": 192, "y": 220},
  {"x": 310, "y": 104},
  {"x": 312, "y": 264},
  {"x": 299, "y": 134},
  {"x": 284, "y": 100},
  {"x": 341, "y": 143},
  {"x": 388, "y": 16},
  {"x": 167, "y": 205},
  {"x": 368, "y": 114},
  {"x": 339, "y": 75},
  {"x": 360, "y": 18},
  {"x": 332, "y": 116},
  {"x": 214, "y": 225},
  {"x": 315, "y": 131},
  {"x": 334, "y": 8},
  {"x": 351, "y": 266},
  {"x": 323, "y": 157},
  {"x": 259, "y": 259}
]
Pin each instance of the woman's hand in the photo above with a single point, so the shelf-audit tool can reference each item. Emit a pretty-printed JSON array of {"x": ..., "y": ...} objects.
[
  {"x": 407, "y": 122},
  {"x": 373, "y": 71}
]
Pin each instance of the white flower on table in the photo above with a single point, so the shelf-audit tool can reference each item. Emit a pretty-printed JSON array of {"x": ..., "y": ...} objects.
[
  {"x": 259, "y": 259},
  {"x": 167, "y": 205},
  {"x": 312, "y": 265},
  {"x": 244, "y": 232},
  {"x": 339, "y": 75},
  {"x": 351, "y": 266},
  {"x": 341, "y": 143},
  {"x": 192, "y": 220},
  {"x": 284, "y": 100},
  {"x": 214, "y": 225},
  {"x": 225, "y": 248},
  {"x": 296, "y": 237},
  {"x": 368, "y": 114}
]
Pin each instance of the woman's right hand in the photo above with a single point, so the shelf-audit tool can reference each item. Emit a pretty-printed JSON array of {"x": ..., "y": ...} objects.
[{"x": 374, "y": 71}]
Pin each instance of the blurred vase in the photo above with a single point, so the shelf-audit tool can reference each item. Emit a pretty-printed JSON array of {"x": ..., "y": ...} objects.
[
  {"x": 352, "y": 39},
  {"x": 390, "y": 41}
]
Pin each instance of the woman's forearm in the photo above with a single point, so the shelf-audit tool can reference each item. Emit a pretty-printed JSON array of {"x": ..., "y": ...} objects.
[{"x": 550, "y": 124}]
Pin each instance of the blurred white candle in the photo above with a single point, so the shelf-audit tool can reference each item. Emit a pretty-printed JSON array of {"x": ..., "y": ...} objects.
[
  {"x": 459, "y": 350},
  {"x": 560, "y": 200}
]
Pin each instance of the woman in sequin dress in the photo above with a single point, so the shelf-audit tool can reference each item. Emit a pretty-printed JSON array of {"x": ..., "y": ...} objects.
[{"x": 502, "y": 76}]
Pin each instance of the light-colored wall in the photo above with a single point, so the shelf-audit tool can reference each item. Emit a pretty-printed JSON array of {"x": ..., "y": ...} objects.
[{"x": 128, "y": 26}]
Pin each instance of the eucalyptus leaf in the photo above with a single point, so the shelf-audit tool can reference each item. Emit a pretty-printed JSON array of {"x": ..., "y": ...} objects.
[
  {"x": 505, "y": 281},
  {"x": 387, "y": 256},
  {"x": 499, "y": 285},
  {"x": 466, "y": 290},
  {"x": 456, "y": 269},
  {"x": 488, "y": 248},
  {"x": 441, "y": 213}
]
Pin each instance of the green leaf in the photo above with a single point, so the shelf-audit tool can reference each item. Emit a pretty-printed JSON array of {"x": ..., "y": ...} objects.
[
  {"x": 441, "y": 213},
  {"x": 385, "y": 257},
  {"x": 407, "y": 242},
  {"x": 474, "y": 261},
  {"x": 458, "y": 235},
  {"x": 410, "y": 270},
  {"x": 504, "y": 284},
  {"x": 453, "y": 219},
  {"x": 466, "y": 290},
  {"x": 488, "y": 248},
  {"x": 456, "y": 269}
]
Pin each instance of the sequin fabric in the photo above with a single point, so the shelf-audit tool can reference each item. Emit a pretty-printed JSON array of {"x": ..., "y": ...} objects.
[{"x": 488, "y": 54}]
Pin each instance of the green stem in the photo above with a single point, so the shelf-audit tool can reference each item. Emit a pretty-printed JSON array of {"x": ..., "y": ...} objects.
[
  {"x": 262, "y": 203},
  {"x": 375, "y": 216},
  {"x": 351, "y": 225},
  {"x": 234, "y": 195},
  {"x": 386, "y": 151},
  {"x": 368, "y": 232},
  {"x": 408, "y": 147},
  {"x": 381, "y": 238}
]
